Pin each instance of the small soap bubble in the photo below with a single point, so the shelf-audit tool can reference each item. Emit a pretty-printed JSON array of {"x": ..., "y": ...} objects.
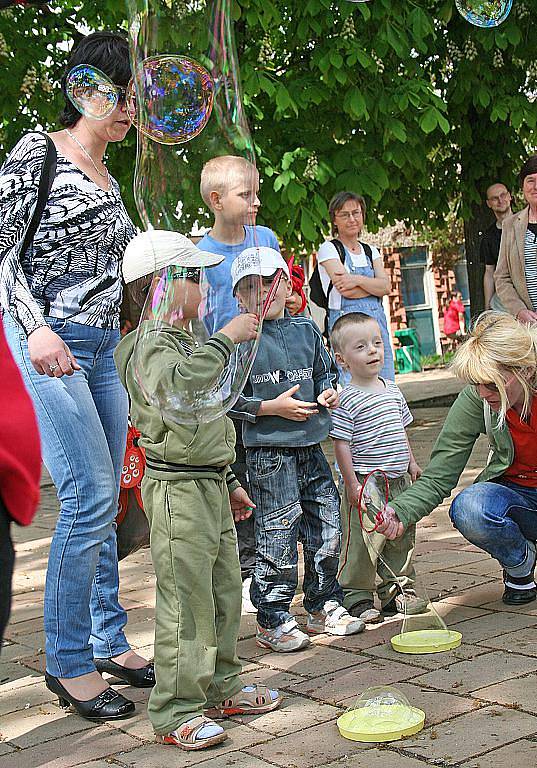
[
  {"x": 176, "y": 98},
  {"x": 92, "y": 92},
  {"x": 484, "y": 13}
]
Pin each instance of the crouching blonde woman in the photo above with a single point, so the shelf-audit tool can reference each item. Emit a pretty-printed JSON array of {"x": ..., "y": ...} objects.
[{"x": 499, "y": 512}]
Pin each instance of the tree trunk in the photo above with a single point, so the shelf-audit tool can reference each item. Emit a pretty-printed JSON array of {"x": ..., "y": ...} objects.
[{"x": 481, "y": 219}]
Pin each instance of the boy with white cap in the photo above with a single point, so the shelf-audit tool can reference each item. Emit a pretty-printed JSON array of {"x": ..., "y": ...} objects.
[
  {"x": 187, "y": 489},
  {"x": 286, "y": 416}
]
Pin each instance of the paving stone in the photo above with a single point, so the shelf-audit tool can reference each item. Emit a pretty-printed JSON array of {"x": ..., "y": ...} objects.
[
  {"x": 374, "y": 634},
  {"x": 427, "y": 660},
  {"x": 521, "y": 753},
  {"x": 445, "y": 583},
  {"x": 522, "y": 641},
  {"x": 15, "y": 652},
  {"x": 33, "y": 726},
  {"x": 295, "y": 714},
  {"x": 86, "y": 746},
  {"x": 309, "y": 748},
  {"x": 339, "y": 686},
  {"x": 481, "y": 595},
  {"x": 488, "y": 567},
  {"x": 441, "y": 560},
  {"x": 437, "y": 705},
  {"x": 248, "y": 649},
  {"x": 13, "y": 675},
  {"x": 313, "y": 661},
  {"x": 22, "y": 699},
  {"x": 530, "y": 609},
  {"x": 453, "y": 614},
  {"x": 467, "y": 676},
  {"x": 377, "y": 758},
  {"x": 471, "y": 734},
  {"x": 5, "y": 749},
  {"x": 518, "y": 693},
  {"x": 273, "y": 678},
  {"x": 487, "y": 627},
  {"x": 158, "y": 756}
]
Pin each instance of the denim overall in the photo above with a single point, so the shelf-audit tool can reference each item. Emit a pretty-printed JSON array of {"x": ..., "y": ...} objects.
[{"x": 369, "y": 305}]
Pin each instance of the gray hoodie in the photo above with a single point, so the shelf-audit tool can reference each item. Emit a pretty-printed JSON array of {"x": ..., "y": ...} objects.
[{"x": 291, "y": 351}]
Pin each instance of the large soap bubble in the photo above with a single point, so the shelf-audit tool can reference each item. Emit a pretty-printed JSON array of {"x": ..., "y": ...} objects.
[
  {"x": 381, "y": 713},
  {"x": 170, "y": 102},
  {"x": 176, "y": 99},
  {"x": 92, "y": 92},
  {"x": 484, "y": 13}
]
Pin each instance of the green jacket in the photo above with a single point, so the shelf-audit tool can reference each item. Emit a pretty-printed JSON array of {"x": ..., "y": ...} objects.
[
  {"x": 464, "y": 423},
  {"x": 165, "y": 366}
]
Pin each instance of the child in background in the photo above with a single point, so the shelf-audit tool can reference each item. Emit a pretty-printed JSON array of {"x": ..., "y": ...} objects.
[
  {"x": 368, "y": 429},
  {"x": 187, "y": 490},
  {"x": 286, "y": 402},
  {"x": 229, "y": 187},
  {"x": 454, "y": 319}
]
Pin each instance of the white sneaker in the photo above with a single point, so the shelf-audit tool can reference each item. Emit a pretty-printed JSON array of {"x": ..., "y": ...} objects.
[
  {"x": 334, "y": 619},
  {"x": 283, "y": 639},
  {"x": 247, "y": 605}
]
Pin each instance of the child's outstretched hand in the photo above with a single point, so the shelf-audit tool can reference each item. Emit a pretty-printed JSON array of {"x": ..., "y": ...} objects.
[
  {"x": 242, "y": 328},
  {"x": 414, "y": 470},
  {"x": 242, "y": 505},
  {"x": 329, "y": 398}
]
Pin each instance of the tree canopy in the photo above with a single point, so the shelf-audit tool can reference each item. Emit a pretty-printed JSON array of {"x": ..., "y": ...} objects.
[{"x": 404, "y": 102}]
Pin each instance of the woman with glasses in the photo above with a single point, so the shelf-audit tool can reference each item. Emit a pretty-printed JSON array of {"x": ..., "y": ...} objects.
[
  {"x": 516, "y": 274},
  {"x": 61, "y": 296},
  {"x": 499, "y": 512},
  {"x": 358, "y": 283}
]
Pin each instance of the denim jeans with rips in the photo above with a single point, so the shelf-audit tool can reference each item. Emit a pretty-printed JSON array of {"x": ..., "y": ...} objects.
[
  {"x": 296, "y": 500},
  {"x": 500, "y": 517},
  {"x": 83, "y": 426}
]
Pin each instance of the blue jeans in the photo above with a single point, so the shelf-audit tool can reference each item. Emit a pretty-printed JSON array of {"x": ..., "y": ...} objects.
[
  {"x": 499, "y": 517},
  {"x": 83, "y": 422},
  {"x": 296, "y": 499}
]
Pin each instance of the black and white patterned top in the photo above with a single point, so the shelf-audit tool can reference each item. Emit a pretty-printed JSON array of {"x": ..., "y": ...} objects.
[
  {"x": 73, "y": 267},
  {"x": 530, "y": 263}
]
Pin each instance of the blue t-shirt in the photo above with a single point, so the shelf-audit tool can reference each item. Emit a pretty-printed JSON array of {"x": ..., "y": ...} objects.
[{"x": 222, "y": 306}]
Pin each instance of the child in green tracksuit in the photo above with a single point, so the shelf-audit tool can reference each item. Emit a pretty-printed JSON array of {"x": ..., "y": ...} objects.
[{"x": 187, "y": 490}]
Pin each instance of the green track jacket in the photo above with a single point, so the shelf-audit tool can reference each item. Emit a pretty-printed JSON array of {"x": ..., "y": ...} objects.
[
  {"x": 166, "y": 366},
  {"x": 464, "y": 423}
]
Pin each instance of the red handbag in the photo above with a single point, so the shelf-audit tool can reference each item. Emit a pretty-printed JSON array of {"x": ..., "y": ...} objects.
[{"x": 132, "y": 525}]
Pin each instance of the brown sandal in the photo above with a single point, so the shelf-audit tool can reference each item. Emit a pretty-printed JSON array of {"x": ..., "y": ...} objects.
[
  {"x": 254, "y": 702},
  {"x": 185, "y": 735}
]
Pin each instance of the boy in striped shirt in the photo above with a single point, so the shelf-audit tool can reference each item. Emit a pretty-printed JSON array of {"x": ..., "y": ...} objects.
[{"x": 368, "y": 429}]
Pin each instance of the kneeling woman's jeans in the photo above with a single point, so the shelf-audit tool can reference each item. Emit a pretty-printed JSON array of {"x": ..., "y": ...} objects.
[
  {"x": 83, "y": 423},
  {"x": 499, "y": 517}
]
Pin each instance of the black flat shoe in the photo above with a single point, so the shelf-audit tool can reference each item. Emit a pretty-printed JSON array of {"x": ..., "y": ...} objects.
[
  {"x": 138, "y": 678},
  {"x": 108, "y": 705}
]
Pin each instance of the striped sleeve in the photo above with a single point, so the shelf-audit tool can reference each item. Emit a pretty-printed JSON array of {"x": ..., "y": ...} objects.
[
  {"x": 406, "y": 415},
  {"x": 342, "y": 425}
]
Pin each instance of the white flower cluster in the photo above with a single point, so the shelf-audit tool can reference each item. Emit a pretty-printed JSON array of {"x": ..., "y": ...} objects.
[
  {"x": 348, "y": 30},
  {"x": 469, "y": 50},
  {"x": 312, "y": 166},
  {"x": 4, "y": 50},
  {"x": 497, "y": 59},
  {"x": 378, "y": 61},
  {"x": 266, "y": 52},
  {"x": 454, "y": 52},
  {"x": 30, "y": 81}
]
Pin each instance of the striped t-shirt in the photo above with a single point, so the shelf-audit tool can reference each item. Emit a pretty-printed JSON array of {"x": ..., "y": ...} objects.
[
  {"x": 530, "y": 263},
  {"x": 374, "y": 425}
]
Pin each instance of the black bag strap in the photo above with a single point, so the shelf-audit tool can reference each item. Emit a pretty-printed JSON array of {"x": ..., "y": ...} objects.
[{"x": 48, "y": 172}]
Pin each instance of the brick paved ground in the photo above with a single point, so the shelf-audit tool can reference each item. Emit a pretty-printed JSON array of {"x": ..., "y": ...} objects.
[{"x": 479, "y": 699}]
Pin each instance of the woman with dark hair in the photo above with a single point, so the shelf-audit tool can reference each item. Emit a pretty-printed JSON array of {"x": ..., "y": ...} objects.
[
  {"x": 516, "y": 274},
  {"x": 60, "y": 295},
  {"x": 359, "y": 283}
]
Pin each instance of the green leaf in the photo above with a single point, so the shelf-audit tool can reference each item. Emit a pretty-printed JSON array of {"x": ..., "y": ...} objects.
[
  {"x": 307, "y": 226},
  {"x": 295, "y": 192},
  {"x": 429, "y": 120},
  {"x": 336, "y": 59}
]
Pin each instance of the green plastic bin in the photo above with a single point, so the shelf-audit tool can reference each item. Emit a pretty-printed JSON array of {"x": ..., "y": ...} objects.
[{"x": 408, "y": 355}]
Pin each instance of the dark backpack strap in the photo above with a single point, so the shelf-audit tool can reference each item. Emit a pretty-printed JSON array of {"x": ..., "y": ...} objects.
[
  {"x": 340, "y": 248},
  {"x": 48, "y": 172}
]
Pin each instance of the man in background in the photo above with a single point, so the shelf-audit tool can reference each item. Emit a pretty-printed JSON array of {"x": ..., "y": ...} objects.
[{"x": 498, "y": 199}]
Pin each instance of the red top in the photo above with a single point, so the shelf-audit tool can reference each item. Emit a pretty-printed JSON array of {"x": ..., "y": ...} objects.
[
  {"x": 523, "y": 470},
  {"x": 20, "y": 450},
  {"x": 297, "y": 280},
  {"x": 451, "y": 316}
]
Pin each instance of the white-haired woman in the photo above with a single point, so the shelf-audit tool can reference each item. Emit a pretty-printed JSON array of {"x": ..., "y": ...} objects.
[{"x": 499, "y": 512}]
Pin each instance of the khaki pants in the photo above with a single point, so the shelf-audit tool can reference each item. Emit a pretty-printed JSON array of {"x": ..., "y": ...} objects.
[
  {"x": 363, "y": 565},
  {"x": 198, "y": 607}
]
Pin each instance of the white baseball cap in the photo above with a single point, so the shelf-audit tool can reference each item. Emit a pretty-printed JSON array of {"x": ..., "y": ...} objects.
[
  {"x": 260, "y": 260},
  {"x": 158, "y": 248}
]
